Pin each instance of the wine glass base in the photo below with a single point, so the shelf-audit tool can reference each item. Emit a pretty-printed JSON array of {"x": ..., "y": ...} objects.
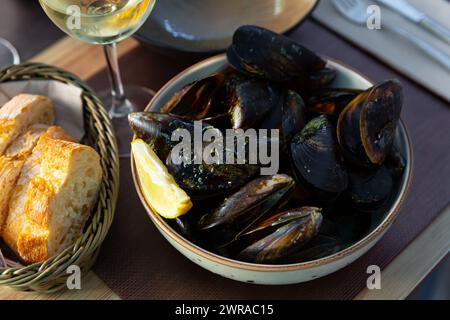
[{"x": 137, "y": 99}]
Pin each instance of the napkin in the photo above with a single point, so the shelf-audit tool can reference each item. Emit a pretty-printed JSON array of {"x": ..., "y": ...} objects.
[{"x": 66, "y": 98}]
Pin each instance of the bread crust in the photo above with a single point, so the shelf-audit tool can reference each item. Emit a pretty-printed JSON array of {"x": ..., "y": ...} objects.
[
  {"x": 20, "y": 113},
  {"x": 47, "y": 180}
]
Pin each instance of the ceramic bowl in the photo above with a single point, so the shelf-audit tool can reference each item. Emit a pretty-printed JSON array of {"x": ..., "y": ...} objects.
[
  {"x": 279, "y": 274},
  {"x": 208, "y": 25}
]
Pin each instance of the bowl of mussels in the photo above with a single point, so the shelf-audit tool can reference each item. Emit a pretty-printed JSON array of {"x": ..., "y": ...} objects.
[{"x": 323, "y": 161}]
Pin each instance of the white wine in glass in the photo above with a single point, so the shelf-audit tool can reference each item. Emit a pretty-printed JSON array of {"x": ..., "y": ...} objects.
[{"x": 107, "y": 22}]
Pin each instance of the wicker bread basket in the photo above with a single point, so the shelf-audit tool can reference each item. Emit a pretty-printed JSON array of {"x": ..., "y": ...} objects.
[{"x": 51, "y": 275}]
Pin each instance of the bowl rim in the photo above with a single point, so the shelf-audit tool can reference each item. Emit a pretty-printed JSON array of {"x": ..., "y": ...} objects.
[{"x": 186, "y": 244}]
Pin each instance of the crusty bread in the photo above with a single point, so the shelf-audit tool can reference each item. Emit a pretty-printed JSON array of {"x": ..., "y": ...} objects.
[
  {"x": 24, "y": 144},
  {"x": 20, "y": 113},
  {"x": 9, "y": 173},
  {"x": 53, "y": 197},
  {"x": 11, "y": 164}
]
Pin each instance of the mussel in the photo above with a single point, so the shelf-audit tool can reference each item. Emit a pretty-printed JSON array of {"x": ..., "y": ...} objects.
[
  {"x": 316, "y": 80},
  {"x": 281, "y": 235},
  {"x": 368, "y": 187},
  {"x": 289, "y": 117},
  {"x": 250, "y": 100},
  {"x": 319, "y": 247},
  {"x": 330, "y": 101},
  {"x": 207, "y": 179},
  {"x": 200, "y": 100},
  {"x": 246, "y": 206},
  {"x": 156, "y": 129},
  {"x": 262, "y": 53},
  {"x": 317, "y": 160},
  {"x": 396, "y": 162},
  {"x": 199, "y": 178},
  {"x": 367, "y": 126}
]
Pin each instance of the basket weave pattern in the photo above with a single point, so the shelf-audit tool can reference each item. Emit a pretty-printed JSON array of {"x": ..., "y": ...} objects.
[{"x": 51, "y": 275}]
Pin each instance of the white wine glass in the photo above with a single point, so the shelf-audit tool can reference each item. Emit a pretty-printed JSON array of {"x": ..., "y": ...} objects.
[
  {"x": 8, "y": 54},
  {"x": 107, "y": 22}
]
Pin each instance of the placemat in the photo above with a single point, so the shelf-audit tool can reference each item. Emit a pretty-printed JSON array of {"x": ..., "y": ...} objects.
[
  {"x": 394, "y": 50},
  {"x": 136, "y": 262}
]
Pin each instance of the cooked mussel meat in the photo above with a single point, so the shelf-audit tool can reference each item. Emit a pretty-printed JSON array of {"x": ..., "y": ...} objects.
[
  {"x": 282, "y": 235},
  {"x": 316, "y": 157},
  {"x": 263, "y": 53},
  {"x": 367, "y": 126}
]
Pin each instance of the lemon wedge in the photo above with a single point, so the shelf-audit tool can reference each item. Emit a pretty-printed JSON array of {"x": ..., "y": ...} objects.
[{"x": 160, "y": 190}]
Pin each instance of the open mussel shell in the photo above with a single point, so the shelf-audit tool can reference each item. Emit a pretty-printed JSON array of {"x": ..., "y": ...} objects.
[
  {"x": 286, "y": 233},
  {"x": 200, "y": 100},
  {"x": 316, "y": 158},
  {"x": 262, "y": 53},
  {"x": 330, "y": 101},
  {"x": 366, "y": 128},
  {"x": 368, "y": 187},
  {"x": 243, "y": 208},
  {"x": 250, "y": 100},
  {"x": 156, "y": 129}
]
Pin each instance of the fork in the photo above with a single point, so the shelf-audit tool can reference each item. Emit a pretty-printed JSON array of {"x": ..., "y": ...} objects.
[{"x": 356, "y": 12}]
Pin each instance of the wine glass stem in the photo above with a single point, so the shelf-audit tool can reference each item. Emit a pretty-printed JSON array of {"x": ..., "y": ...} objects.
[{"x": 120, "y": 108}]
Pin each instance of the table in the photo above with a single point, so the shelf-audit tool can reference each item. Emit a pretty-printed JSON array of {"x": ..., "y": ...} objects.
[{"x": 400, "y": 276}]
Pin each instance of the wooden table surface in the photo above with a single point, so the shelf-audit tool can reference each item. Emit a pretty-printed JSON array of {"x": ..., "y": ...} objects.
[{"x": 399, "y": 278}]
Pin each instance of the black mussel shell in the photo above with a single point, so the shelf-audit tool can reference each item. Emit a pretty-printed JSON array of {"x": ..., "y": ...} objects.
[
  {"x": 396, "y": 162},
  {"x": 290, "y": 118},
  {"x": 320, "y": 79},
  {"x": 316, "y": 157},
  {"x": 287, "y": 233},
  {"x": 156, "y": 129},
  {"x": 330, "y": 101},
  {"x": 199, "y": 100},
  {"x": 351, "y": 225},
  {"x": 245, "y": 207},
  {"x": 293, "y": 115},
  {"x": 208, "y": 179},
  {"x": 263, "y": 53},
  {"x": 370, "y": 187},
  {"x": 367, "y": 126},
  {"x": 320, "y": 247},
  {"x": 250, "y": 100}
]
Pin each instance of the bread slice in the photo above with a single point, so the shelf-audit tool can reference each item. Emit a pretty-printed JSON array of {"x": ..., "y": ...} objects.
[
  {"x": 9, "y": 173},
  {"x": 53, "y": 197},
  {"x": 11, "y": 164},
  {"x": 24, "y": 144},
  {"x": 20, "y": 113}
]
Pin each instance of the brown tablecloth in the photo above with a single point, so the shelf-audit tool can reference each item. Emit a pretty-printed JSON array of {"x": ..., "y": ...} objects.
[{"x": 136, "y": 262}]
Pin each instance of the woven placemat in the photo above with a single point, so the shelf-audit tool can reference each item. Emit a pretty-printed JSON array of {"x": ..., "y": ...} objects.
[{"x": 136, "y": 262}]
